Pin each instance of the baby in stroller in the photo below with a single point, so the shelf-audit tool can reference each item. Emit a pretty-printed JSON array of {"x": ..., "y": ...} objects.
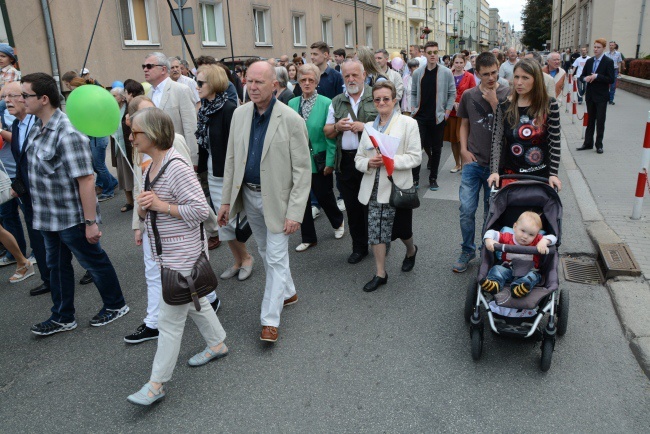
[{"x": 524, "y": 269}]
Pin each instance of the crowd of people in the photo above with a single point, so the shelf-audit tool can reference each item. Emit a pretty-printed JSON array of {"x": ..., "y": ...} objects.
[{"x": 301, "y": 145}]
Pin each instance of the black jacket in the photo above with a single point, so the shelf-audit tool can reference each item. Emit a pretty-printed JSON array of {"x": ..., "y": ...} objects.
[
  {"x": 598, "y": 90},
  {"x": 218, "y": 132}
]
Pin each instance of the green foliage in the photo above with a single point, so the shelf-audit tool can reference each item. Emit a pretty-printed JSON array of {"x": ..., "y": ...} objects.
[{"x": 536, "y": 20}]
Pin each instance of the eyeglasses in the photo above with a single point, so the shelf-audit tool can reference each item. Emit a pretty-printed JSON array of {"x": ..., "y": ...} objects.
[
  {"x": 429, "y": 53},
  {"x": 149, "y": 66},
  {"x": 200, "y": 83},
  {"x": 134, "y": 133},
  {"x": 29, "y": 95},
  {"x": 383, "y": 99},
  {"x": 12, "y": 96}
]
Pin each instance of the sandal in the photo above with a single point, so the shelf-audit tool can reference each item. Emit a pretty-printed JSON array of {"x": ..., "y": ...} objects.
[
  {"x": 126, "y": 207},
  {"x": 207, "y": 355},
  {"x": 142, "y": 397},
  {"x": 22, "y": 273}
]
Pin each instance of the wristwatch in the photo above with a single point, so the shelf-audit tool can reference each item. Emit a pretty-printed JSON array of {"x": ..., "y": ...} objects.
[{"x": 90, "y": 222}]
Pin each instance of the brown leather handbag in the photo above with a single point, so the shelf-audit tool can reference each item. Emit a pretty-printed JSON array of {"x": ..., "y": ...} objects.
[{"x": 176, "y": 288}]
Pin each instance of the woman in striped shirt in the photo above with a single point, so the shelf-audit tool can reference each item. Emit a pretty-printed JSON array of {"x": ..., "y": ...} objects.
[
  {"x": 181, "y": 207},
  {"x": 527, "y": 125}
]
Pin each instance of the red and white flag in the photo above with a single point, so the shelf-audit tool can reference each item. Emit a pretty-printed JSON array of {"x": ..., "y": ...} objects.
[{"x": 386, "y": 145}]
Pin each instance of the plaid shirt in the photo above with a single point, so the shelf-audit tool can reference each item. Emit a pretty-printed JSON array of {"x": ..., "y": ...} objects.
[
  {"x": 57, "y": 154},
  {"x": 8, "y": 74}
]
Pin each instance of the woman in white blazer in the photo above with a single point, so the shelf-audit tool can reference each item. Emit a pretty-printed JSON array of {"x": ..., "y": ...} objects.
[{"x": 386, "y": 223}]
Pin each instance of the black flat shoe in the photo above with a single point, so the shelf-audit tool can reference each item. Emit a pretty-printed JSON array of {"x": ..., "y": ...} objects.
[
  {"x": 584, "y": 148},
  {"x": 375, "y": 283},
  {"x": 599, "y": 150},
  {"x": 356, "y": 257},
  {"x": 409, "y": 262},
  {"x": 42, "y": 289},
  {"x": 88, "y": 278}
]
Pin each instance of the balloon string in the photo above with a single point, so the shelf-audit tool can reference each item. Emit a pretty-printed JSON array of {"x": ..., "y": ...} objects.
[{"x": 126, "y": 160}]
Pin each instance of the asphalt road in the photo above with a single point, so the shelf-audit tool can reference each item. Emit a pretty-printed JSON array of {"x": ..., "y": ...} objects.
[{"x": 396, "y": 360}]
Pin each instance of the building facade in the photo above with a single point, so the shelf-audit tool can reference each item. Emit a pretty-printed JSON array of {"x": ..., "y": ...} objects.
[
  {"x": 129, "y": 29},
  {"x": 580, "y": 22},
  {"x": 484, "y": 28}
]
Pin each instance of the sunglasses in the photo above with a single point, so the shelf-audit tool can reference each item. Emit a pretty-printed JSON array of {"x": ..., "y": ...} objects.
[
  {"x": 383, "y": 99},
  {"x": 29, "y": 95},
  {"x": 149, "y": 66},
  {"x": 200, "y": 83},
  {"x": 429, "y": 53}
]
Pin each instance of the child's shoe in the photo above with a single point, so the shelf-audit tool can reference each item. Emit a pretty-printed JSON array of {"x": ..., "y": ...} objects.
[
  {"x": 520, "y": 290},
  {"x": 490, "y": 286}
]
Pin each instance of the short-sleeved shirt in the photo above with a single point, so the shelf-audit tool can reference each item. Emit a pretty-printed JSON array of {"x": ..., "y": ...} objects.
[
  {"x": 578, "y": 64},
  {"x": 57, "y": 154},
  {"x": 256, "y": 143},
  {"x": 616, "y": 57},
  {"x": 349, "y": 139},
  {"x": 481, "y": 116},
  {"x": 507, "y": 70}
]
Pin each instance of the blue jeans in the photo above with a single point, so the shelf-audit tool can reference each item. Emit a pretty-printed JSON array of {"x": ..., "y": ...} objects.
[
  {"x": 60, "y": 246},
  {"x": 105, "y": 180},
  {"x": 612, "y": 87},
  {"x": 473, "y": 178},
  {"x": 11, "y": 222},
  {"x": 503, "y": 275}
]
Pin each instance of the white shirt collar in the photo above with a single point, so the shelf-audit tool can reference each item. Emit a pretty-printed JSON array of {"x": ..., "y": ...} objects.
[{"x": 161, "y": 85}]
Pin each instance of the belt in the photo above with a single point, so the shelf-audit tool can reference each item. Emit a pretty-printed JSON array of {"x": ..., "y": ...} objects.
[
  {"x": 253, "y": 187},
  {"x": 346, "y": 152}
]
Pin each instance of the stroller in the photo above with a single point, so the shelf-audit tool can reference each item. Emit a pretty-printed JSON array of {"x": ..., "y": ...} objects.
[{"x": 521, "y": 317}]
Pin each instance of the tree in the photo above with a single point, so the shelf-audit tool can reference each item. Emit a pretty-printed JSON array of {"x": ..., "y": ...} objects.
[{"x": 536, "y": 20}]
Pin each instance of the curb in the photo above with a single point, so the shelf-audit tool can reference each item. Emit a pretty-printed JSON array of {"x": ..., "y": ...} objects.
[{"x": 630, "y": 296}]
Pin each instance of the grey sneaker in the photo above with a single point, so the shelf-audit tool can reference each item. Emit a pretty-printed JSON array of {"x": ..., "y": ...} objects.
[
  {"x": 106, "y": 316},
  {"x": 463, "y": 261}
]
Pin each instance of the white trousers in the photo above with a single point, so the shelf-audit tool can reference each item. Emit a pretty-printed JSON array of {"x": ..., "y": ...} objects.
[
  {"x": 154, "y": 285},
  {"x": 215, "y": 184},
  {"x": 274, "y": 250},
  {"x": 171, "y": 324}
]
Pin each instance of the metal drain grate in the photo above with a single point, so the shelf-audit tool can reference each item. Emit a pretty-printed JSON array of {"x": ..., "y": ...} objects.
[{"x": 582, "y": 271}]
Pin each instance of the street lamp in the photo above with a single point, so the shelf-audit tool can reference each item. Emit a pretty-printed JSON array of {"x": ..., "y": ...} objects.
[
  {"x": 433, "y": 8},
  {"x": 455, "y": 28},
  {"x": 447, "y": 26},
  {"x": 472, "y": 24}
]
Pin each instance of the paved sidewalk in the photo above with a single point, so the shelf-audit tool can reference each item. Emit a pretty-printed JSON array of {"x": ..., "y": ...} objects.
[
  {"x": 604, "y": 186},
  {"x": 612, "y": 176}
]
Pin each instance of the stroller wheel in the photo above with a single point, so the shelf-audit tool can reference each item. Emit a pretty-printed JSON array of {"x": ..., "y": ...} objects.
[
  {"x": 470, "y": 300},
  {"x": 548, "y": 344},
  {"x": 476, "y": 334},
  {"x": 563, "y": 312}
]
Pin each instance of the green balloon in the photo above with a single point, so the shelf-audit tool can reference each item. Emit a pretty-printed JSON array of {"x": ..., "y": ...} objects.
[{"x": 93, "y": 111}]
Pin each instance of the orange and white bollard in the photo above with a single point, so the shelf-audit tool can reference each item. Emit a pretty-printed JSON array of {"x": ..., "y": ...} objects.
[
  {"x": 575, "y": 91},
  {"x": 585, "y": 122},
  {"x": 568, "y": 102},
  {"x": 574, "y": 118},
  {"x": 642, "y": 180}
]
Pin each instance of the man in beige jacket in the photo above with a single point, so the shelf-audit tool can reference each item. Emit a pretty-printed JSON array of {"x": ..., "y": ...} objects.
[{"x": 267, "y": 175}]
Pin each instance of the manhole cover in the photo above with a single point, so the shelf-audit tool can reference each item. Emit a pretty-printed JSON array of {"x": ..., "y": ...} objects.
[
  {"x": 582, "y": 271},
  {"x": 618, "y": 260}
]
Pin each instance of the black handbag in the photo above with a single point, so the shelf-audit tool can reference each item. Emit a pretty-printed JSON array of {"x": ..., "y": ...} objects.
[
  {"x": 243, "y": 230},
  {"x": 176, "y": 288},
  {"x": 320, "y": 159},
  {"x": 403, "y": 198}
]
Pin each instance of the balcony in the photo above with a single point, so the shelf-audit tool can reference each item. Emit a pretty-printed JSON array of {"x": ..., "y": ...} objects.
[{"x": 416, "y": 13}]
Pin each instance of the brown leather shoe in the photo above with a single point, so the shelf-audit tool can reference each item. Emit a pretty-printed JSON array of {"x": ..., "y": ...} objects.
[
  {"x": 269, "y": 334},
  {"x": 213, "y": 242},
  {"x": 291, "y": 300}
]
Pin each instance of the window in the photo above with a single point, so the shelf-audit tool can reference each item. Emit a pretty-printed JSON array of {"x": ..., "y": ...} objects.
[
  {"x": 414, "y": 2},
  {"x": 348, "y": 35},
  {"x": 212, "y": 20},
  {"x": 327, "y": 31},
  {"x": 369, "y": 36},
  {"x": 299, "y": 30},
  {"x": 139, "y": 24},
  {"x": 262, "y": 21}
]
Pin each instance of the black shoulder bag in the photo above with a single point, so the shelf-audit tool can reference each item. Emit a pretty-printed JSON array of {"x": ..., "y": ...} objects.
[
  {"x": 403, "y": 198},
  {"x": 176, "y": 288}
]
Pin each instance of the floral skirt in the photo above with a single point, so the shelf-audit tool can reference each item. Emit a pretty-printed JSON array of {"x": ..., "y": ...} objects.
[{"x": 387, "y": 223}]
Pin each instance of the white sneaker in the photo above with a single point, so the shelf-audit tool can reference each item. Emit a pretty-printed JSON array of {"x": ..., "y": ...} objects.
[
  {"x": 340, "y": 204},
  {"x": 338, "y": 233},
  {"x": 6, "y": 261},
  {"x": 315, "y": 212},
  {"x": 32, "y": 258},
  {"x": 304, "y": 246}
]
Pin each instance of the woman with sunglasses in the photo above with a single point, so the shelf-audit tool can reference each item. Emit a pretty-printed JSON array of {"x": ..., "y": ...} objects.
[
  {"x": 386, "y": 223},
  {"x": 213, "y": 130},
  {"x": 526, "y": 133}
]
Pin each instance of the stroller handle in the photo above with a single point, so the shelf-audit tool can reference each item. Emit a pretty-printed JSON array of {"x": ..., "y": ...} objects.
[
  {"x": 495, "y": 187},
  {"x": 524, "y": 250}
]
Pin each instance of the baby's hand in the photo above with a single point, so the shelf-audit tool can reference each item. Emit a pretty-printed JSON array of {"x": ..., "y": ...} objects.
[
  {"x": 542, "y": 246},
  {"x": 489, "y": 244}
]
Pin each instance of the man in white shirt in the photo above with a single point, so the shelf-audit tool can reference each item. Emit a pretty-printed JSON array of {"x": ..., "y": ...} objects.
[
  {"x": 619, "y": 67},
  {"x": 577, "y": 66},
  {"x": 381, "y": 56},
  {"x": 176, "y": 74},
  {"x": 507, "y": 68}
]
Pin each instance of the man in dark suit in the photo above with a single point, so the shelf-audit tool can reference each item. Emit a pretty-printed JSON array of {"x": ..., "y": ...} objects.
[
  {"x": 598, "y": 74},
  {"x": 18, "y": 137}
]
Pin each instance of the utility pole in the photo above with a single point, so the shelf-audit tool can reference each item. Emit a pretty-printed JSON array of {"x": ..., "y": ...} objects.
[
  {"x": 356, "y": 26},
  {"x": 559, "y": 27}
]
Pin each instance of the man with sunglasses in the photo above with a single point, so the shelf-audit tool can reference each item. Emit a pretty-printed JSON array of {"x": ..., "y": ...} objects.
[
  {"x": 62, "y": 186},
  {"x": 173, "y": 98},
  {"x": 433, "y": 93}
]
